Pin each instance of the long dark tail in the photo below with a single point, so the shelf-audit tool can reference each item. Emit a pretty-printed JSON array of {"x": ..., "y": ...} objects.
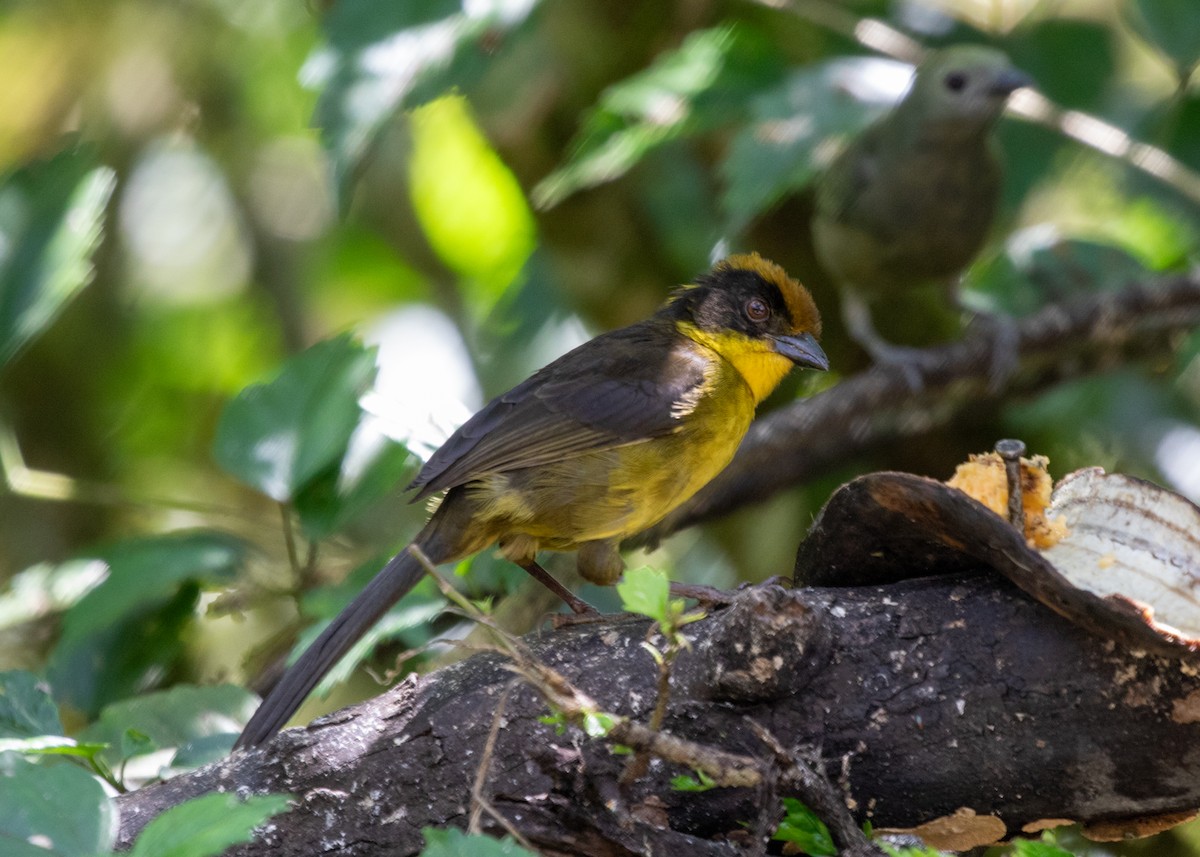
[
  {"x": 396, "y": 578},
  {"x": 444, "y": 539}
]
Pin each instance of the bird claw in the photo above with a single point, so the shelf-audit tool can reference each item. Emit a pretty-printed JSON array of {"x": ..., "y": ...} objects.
[
  {"x": 1004, "y": 336},
  {"x": 705, "y": 596},
  {"x": 913, "y": 363}
]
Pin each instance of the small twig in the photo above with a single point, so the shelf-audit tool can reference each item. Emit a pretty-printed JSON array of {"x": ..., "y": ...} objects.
[
  {"x": 310, "y": 562},
  {"x": 506, "y": 642},
  {"x": 485, "y": 761},
  {"x": 480, "y": 804},
  {"x": 289, "y": 541},
  {"x": 640, "y": 763},
  {"x": 21, "y": 480},
  {"x": 818, "y": 794}
]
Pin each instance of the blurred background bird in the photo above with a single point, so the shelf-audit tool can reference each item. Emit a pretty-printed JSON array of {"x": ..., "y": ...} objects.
[{"x": 910, "y": 201}]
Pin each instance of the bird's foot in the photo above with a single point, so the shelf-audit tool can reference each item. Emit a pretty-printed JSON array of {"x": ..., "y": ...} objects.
[
  {"x": 914, "y": 364},
  {"x": 1004, "y": 335},
  {"x": 705, "y": 596},
  {"x": 578, "y": 606}
]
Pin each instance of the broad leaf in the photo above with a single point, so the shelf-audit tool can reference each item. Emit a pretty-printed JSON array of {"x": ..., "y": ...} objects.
[
  {"x": 178, "y": 717},
  {"x": 646, "y": 591},
  {"x": 454, "y": 843},
  {"x": 124, "y": 635},
  {"x": 279, "y": 435},
  {"x": 53, "y": 810},
  {"x": 26, "y": 709},
  {"x": 380, "y": 58},
  {"x": 334, "y": 498},
  {"x": 1173, "y": 27},
  {"x": 797, "y": 126},
  {"x": 206, "y": 826},
  {"x": 704, "y": 84},
  {"x": 51, "y": 215}
]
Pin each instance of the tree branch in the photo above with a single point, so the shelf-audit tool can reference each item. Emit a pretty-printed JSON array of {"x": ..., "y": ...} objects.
[
  {"x": 1059, "y": 343},
  {"x": 922, "y": 698}
]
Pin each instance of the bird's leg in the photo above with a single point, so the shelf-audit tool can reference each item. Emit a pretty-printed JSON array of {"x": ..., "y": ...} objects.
[
  {"x": 578, "y": 606},
  {"x": 913, "y": 362},
  {"x": 1004, "y": 334}
]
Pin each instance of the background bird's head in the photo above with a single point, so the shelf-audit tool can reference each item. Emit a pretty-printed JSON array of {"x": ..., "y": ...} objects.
[
  {"x": 962, "y": 89},
  {"x": 749, "y": 305}
]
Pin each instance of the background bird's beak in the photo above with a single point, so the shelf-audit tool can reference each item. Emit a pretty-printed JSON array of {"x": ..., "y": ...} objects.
[
  {"x": 1009, "y": 81},
  {"x": 802, "y": 349}
]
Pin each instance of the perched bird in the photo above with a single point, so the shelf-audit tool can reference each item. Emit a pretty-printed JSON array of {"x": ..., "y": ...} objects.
[
  {"x": 911, "y": 199},
  {"x": 595, "y": 447}
]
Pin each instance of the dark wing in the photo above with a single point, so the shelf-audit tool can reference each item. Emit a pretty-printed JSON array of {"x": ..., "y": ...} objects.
[{"x": 619, "y": 388}]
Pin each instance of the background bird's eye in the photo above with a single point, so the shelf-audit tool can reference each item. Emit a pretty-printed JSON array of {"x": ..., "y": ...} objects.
[
  {"x": 757, "y": 309},
  {"x": 955, "y": 81}
]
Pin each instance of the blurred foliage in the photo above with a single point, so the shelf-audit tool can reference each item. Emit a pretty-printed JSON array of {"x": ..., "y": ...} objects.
[{"x": 205, "y": 206}]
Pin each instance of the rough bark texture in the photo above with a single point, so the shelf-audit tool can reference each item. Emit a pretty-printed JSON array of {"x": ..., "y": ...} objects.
[{"x": 922, "y": 697}]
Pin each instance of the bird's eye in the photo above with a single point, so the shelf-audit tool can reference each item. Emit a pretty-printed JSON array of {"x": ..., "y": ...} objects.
[
  {"x": 955, "y": 81},
  {"x": 757, "y": 310}
]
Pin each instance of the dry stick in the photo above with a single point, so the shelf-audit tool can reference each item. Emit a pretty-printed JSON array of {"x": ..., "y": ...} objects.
[
  {"x": 818, "y": 794},
  {"x": 480, "y": 803},
  {"x": 640, "y": 763},
  {"x": 1027, "y": 103},
  {"x": 1058, "y": 343},
  {"x": 731, "y": 770}
]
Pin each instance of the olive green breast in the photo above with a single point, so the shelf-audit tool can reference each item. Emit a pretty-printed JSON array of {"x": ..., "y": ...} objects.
[{"x": 620, "y": 491}]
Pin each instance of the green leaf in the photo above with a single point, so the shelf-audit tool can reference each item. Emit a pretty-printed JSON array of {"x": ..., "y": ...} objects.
[
  {"x": 455, "y": 843},
  {"x": 208, "y": 748},
  {"x": 280, "y": 435},
  {"x": 1083, "y": 83},
  {"x": 50, "y": 745},
  {"x": 792, "y": 128},
  {"x": 702, "y": 782},
  {"x": 47, "y": 588},
  {"x": 597, "y": 724},
  {"x": 206, "y": 826},
  {"x": 1039, "y": 266},
  {"x": 1173, "y": 27},
  {"x": 125, "y": 634},
  {"x": 381, "y": 58},
  {"x": 469, "y": 204},
  {"x": 646, "y": 591},
  {"x": 26, "y": 709},
  {"x": 702, "y": 85},
  {"x": 894, "y": 851},
  {"x": 1044, "y": 847},
  {"x": 338, "y": 496},
  {"x": 801, "y": 827},
  {"x": 177, "y": 717},
  {"x": 51, "y": 219},
  {"x": 53, "y": 809}
]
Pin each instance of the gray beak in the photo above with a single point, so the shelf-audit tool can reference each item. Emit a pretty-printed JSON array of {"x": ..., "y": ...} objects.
[
  {"x": 802, "y": 349},
  {"x": 1009, "y": 81}
]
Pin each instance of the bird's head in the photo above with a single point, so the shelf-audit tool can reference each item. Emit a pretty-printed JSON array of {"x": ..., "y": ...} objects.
[
  {"x": 757, "y": 317},
  {"x": 963, "y": 88}
]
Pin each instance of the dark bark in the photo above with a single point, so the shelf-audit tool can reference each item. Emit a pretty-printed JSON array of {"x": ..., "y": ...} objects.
[{"x": 921, "y": 697}]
